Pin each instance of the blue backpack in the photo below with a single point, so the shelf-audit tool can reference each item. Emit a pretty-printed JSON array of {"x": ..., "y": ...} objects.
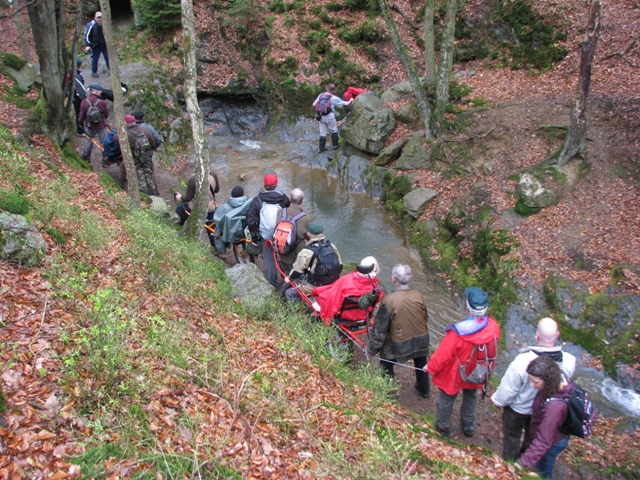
[{"x": 323, "y": 106}]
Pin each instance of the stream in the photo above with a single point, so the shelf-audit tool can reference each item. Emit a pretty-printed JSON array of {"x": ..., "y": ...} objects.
[{"x": 359, "y": 226}]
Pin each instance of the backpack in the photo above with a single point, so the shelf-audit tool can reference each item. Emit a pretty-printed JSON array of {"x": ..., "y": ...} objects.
[
  {"x": 141, "y": 147},
  {"x": 328, "y": 265},
  {"x": 94, "y": 115},
  {"x": 285, "y": 235},
  {"x": 581, "y": 414},
  {"x": 268, "y": 217},
  {"x": 323, "y": 105},
  {"x": 479, "y": 366}
]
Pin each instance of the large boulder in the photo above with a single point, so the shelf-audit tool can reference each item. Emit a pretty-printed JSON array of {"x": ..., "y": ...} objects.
[
  {"x": 369, "y": 124},
  {"x": 398, "y": 91},
  {"x": 409, "y": 114},
  {"x": 415, "y": 154},
  {"x": 26, "y": 76},
  {"x": 389, "y": 153},
  {"x": 21, "y": 242},
  {"x": 357, "y": 172},
  {"x": 248, "y": 283},
  {"x": 415, "y": 201},
  {"x": 533, "y": 193}
]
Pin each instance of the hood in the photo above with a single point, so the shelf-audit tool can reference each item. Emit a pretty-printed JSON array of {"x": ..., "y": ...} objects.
[
  {"x": 484, "y": 335},
  {"x": 237, "y": 201},
  {"x": 315, "y": 238},
  {"x": 554, "y": 353},
  {"x": 271, "y": 196}
]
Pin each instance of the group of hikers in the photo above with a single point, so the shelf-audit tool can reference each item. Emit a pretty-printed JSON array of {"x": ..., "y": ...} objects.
[{"x": 534, "y": 392}]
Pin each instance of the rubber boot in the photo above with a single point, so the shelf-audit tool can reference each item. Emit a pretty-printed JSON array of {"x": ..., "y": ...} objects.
[
  {"x": 323, "y": 144},
  {"x": 334, "y": 139}
]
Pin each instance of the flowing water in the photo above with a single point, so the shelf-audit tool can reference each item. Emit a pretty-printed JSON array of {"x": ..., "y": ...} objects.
[{"x": 359, "y": 227}]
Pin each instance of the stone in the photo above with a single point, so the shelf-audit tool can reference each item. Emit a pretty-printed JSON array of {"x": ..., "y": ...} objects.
[
  {"x": 398, "y": 91},
  {"x": 357, "y": 172},
  {"x": 248, "y": 283},
  {"x": 25, "y": 77},
  {"x": 409, "y": 114},
  {"x": 369, "y": 124},
  {"x": 415, "y": 154},
  {"x": 533, "y": 193},
  {"x": 414, "y": 202},
  {"x": 159, "y": 206},
  {"x": 21, "y": 242},
  {"x": 389, "y": 153}
]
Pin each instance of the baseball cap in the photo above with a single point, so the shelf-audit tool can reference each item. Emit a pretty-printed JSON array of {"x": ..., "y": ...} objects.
[{"x": 270, "y": 180}]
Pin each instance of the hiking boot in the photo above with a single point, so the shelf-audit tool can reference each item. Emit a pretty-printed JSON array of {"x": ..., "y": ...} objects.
[
  {"x": 443, "y": 433},
  {"x": 323, "y": 144},
  {"x": 421, "y": 393},
  {"x": 334, "y": 140},
  {"x": 468, "y": 429},
  {"x": 105, "y": 164},
  {"x": 95, "y": 75}
]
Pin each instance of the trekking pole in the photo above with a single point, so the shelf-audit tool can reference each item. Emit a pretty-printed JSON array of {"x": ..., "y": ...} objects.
[
  {"x": 295, "y": 286},
  {"x": 93, "y": 141}
]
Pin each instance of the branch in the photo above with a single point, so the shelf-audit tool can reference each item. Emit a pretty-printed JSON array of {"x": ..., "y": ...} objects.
[
  {"x": 405, "y": 16},
  {"x": 624, "y": 52}
]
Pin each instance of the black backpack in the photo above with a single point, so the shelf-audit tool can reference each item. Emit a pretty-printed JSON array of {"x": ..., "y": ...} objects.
[
  {"x": 581, "y": 414},
  {"x": 327, "y": 264},
  {"x": 94, "y": 115}
]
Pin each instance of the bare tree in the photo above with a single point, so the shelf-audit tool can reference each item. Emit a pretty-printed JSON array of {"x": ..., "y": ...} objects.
[
  {"x": 576, "y": 137},
  {"x": 199, "y": 212},
  {"x": 118, "y": 104}
]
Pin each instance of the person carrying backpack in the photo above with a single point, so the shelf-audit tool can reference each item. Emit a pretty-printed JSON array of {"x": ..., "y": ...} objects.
[
  {"x": 94, "y": 114},
  {"x": 261, "y": 220},
  {"x": 142, "y": 145},
  {"x": 463, "y": 361},
  {"x": 324, "y": 105},
  {"x": 318, "y": 263},
  {"x": 230, "y": 219},
  {"x": 550, "y": 410},
  {"x": 79, "y": 92},
  {"x": 300, "y": 226}
]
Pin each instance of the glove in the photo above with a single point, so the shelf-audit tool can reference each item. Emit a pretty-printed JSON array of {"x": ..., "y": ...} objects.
[{"x": 368, "y": 299}]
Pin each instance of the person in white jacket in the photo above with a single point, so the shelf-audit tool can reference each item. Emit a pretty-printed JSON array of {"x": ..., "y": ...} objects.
[{"x": 515, "y": 394}]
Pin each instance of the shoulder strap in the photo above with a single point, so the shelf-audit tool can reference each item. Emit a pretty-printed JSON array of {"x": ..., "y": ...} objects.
[
  {"x": 284, "y": 214},
  {"x": 296, "y": 216}
]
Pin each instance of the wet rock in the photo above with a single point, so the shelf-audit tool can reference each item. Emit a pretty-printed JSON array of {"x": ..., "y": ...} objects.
[
  {"x": 628, "y": 377},
  {"x": 414, "y": 202},
  {"x": 369, "y": 124},
  {"x": 390, "y": 152},
  {"x": 533, "y": 193},
  {"x": 21, "y": 242},
  {"x": 248, "y": 283},
  {"x": 415, "y": 154},
  {"x": 233, "y": 116},
  {"x": 357, "y": 172}
]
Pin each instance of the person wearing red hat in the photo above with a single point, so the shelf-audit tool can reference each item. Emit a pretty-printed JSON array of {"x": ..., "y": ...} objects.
[{"x": 261, "y": 220}]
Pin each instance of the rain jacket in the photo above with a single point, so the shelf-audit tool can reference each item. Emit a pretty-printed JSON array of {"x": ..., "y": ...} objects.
[
  {"x": 231, "y": 218},
  {"x": 548, "y": 416},
  {"x": 443, "y": 364},
  {"x": 331, "y": 297},
  {"x": 271, "y": 197}
]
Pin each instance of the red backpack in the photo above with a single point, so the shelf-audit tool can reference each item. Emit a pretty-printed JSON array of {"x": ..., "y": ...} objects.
[{"x": 285, "y": 235}]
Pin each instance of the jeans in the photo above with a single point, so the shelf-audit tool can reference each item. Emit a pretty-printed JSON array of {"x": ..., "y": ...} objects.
[
  {"x": 445, "y": 408},
  {"x": 88, "y": 144},
  {"x": 422, "y": 377},
  {"x": 544, "y": 467},
  {"x": 96, "y": 57},
  {"x": 512, "y": 425}
]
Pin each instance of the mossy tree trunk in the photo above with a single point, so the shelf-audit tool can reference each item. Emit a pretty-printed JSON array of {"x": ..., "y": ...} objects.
[
  {"x": 74, "y": 54},
  {"x": 118, "y": 105},
  {"x": 409, "y": 66},
  {"x": 576, "y": 137},
  {"x": 446, "y": 59},
  {"x": 429, "y": 43},
  {"x": 46, "y": 18},
  {"x": 199, "y": 212}
]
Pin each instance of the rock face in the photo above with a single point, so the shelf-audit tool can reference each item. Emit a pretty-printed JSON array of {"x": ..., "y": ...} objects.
[
  {"x": 533, "y": 194},
  {"x": 390, "y": 152},
  {"x": 415, "y": 154},
  {"x": 369, "y": 124},
  {"x": 25, "y": 77},
  {"x": 21, "y": 242},
  {"x": 357, "y": 172},
  {"x": 237, "y": 117},
  {"x": 249, "y": 283},
  {"x": 415, "y": 201}
]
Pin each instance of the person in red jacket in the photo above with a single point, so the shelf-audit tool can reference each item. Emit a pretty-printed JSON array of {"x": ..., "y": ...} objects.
[
  {"x": 550, "y": 410},
  {"x": 361, "y": 281},
  {"x": 454, "y": 350},
  {"x": 352, "y": 93}
]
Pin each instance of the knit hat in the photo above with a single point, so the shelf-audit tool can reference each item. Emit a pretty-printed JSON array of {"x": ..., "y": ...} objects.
[
  {"x": 95, "y": 86},
  {"x": 271, "y": 180},
  {"x": 331, "y": 88},
  {"x": 368, "y": 266},
  {"x": 237, "y": 192},
  {"x": 477, "y": 300},
  {"x": 139, "y": 115},
  {"x": 315, "y": 228},
  {"x": 78, "y": 61},
  {"x": 129, "y": 119}
]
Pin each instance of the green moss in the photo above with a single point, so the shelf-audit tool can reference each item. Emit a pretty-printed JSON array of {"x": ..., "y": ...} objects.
[
  {"x": 58, "y": 236},
  {"x": 525, "y": 210},
  {"x": 14, "y": 202},
  {"x": 12, "y": 61}
]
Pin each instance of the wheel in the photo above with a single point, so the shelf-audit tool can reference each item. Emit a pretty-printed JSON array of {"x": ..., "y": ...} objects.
[
  {"x": 241, "y": 253},
  {"x": 340, "y": 347}
]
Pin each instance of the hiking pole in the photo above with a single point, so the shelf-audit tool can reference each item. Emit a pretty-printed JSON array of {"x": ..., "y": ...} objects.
[
  {"x": 295, "y": 286},
  {"x": 93, "y": 141}
]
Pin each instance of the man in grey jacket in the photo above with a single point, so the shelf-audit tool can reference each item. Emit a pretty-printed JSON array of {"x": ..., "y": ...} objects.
[{"x": 515, "y": 394}]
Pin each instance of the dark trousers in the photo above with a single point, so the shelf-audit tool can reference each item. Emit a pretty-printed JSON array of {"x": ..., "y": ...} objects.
[
  {"x": 96, "y": 57},
  {"x": 445, "y": 408},
  {"x": 422, "y": 378},
  {"x": 513, "y": 423}
]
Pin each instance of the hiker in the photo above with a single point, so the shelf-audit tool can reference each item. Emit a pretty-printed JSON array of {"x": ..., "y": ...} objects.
[
  {"x": 318, "y": 263},
  {"x": 139, "y": 116},
  {"x": 79, "y": 92},
  {"x": 362, "y": 281},
  {"x": 111, "y": 153},
  {"x": 142, "y": 143},
  {"x": 94, "y": 114},
  {"x": 94, "y": 38},
  {"x": 230, "y": 219},
  {"x": 301, "y": 227},
  {"x": 515, "y": 394},
  {"x": 400, "y": 331},
  {"x": 352, "y": 93},
  {"x": 550, "y": 410},
  {"x": 186, "y": 201},
  {"x": 324, "y": 105},
  {"x": 478, "y": 333},
  {"x": 261, "y": 219}
]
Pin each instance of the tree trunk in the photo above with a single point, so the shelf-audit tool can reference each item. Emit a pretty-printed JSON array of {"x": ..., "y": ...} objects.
[
  {"x": 196, "y": 221},
  {"x": 74, "y": 54},
  {"x": 118, "y": 105},
  {"x": 429, "y": 43},
  {"x": 446, "y": 59},
  {"x": 575, "y": 142},
  {"x": 24, "y": 41},
  {"x": 45, "y": 17},
  {"x": 409, "y": 66}
]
